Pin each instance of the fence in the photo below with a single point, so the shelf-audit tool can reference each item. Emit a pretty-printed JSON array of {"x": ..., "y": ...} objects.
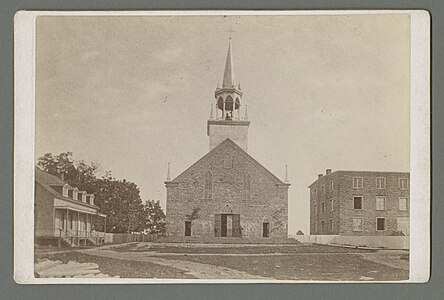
[
  {"x": 388, "y": 242},
  {"x": 119, "y": 238}
]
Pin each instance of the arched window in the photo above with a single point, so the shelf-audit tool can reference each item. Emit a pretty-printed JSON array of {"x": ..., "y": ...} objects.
[
  {"x": 247, "y": 187},
  {"x": 228, "y": 161},
  {"x": 208, "y": 188},
  {"x": 229, "y": 108}
]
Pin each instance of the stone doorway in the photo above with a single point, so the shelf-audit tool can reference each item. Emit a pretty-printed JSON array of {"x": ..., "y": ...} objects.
[{"x": 227, "y": 225}]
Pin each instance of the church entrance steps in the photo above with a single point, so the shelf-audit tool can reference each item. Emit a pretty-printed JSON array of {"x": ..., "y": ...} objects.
[{"x": 227, "y": 240}]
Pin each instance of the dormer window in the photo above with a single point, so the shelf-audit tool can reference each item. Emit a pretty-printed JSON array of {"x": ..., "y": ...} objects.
[
  {"x": 82, "y": 196},
  {"x": 91, "y": 199},
  {"x": 75, "y": 193},
  {"x": 65, "y": 190}
]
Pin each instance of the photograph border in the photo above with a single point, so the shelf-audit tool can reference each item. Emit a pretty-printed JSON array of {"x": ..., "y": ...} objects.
[{"x": 24, "y": 68}]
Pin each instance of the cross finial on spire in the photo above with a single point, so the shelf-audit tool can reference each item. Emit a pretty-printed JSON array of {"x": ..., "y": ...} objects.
[{"x": 230, "y": 31}]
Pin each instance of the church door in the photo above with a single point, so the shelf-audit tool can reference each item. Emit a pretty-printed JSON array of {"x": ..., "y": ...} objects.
[
  {"x": 237, "y": 230},
  {"x": 224, "y": 225},
  {"x": 227, "y": 225}
]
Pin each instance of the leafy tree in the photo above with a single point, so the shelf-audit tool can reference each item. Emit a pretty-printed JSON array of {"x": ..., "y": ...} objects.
[
  {"x": 120, "y": 201},
  {"x": 154, "y": 218}
]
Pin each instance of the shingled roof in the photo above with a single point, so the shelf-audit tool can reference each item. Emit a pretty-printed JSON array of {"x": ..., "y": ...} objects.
[{"x": 48, "y": 181}]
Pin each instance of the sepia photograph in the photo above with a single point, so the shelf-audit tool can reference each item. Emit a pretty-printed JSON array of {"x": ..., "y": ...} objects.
[{"x": 223, "y": 146}]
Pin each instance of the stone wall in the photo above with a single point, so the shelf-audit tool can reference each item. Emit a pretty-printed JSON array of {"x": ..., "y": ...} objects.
[
  {"x": 387, "y": 242},
  {"x": 268, "y": 203}
]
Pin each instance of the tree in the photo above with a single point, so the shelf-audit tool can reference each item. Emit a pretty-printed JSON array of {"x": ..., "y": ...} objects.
[
  {"x": 154, "y": 218},
  {"x": 78, "y": 174},
  {"x": 120, "y": 201}
]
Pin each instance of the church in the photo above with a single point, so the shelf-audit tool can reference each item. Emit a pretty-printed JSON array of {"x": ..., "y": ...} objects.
[{"x": 227, "y": 194}]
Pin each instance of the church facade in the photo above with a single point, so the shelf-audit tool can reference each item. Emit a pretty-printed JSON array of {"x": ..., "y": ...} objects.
[{"x": 227, "y": 193}]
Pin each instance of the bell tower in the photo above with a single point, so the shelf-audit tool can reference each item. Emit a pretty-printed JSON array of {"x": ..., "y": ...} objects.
[{"x": 227, "y": 122}]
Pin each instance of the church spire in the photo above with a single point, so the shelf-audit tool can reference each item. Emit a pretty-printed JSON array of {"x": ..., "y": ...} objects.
[
  {"x": 228, "y": 81},
  {"x": 226, "y": 121}
]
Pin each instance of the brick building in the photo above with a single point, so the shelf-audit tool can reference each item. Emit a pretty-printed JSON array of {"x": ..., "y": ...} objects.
[
  {"x": 227, "y": 193},
  {"x": 357, "y": 203}
]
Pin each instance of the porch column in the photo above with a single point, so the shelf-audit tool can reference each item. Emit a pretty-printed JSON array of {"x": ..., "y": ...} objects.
[
  {"x": 66, "y": 222},
  {"x": 78, "y": 229},
  {"x": 86, "y": 225}
]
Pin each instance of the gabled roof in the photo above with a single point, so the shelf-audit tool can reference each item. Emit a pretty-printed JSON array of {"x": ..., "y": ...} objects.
[
  {"x": 229, "y": 142},
  {"x": 47, "y": 180}
]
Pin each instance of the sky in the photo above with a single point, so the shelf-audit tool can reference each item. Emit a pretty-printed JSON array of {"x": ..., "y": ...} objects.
[{"x": 134, "y": 93}]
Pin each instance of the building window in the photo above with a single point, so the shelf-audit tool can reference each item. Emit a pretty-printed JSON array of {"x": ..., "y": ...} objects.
[
  {"x": 357, "y": 202},
  {"x": 322, "y": 207},
  {"x": 315, "y": 192},
  {"x": 322, "y": 226},
  {"x": 403, "y": 183},
  {"x": 228, "y": 161},
  {"x": 331, "y": 224},
  {"x": 380, "y": 183},
  {"x": 322, "y": 190},
  {"x": 403, "y": 203},
  {"x": 247, "y": 187},
  {"x": 380, "y": 203},
  {"x": 315, "y": 227},
  {"x": 75, "y": 193},
  {"x": 358, "y": 182},
  {"x": 315, "y": 208},
  {"x": 357, "y": 224},
  {"x": 380, "y": 223},
  {"x": 331, "y": 205},
  {"x": 331, "y": 185},
  {"x": 208, "y": 193},
  {"x": 265, "y": 229},
  {"x": 187, "y": 228}
]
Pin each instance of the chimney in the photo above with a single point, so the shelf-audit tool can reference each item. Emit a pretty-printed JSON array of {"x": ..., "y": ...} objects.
[
  {"x": 319, "y": 175},
  {"x": 328, "y": 171},
  {"x": 61, "y": 176}
]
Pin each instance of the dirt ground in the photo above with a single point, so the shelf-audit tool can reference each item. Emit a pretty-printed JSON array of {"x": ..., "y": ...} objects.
[{"x": 283, "y": 262}]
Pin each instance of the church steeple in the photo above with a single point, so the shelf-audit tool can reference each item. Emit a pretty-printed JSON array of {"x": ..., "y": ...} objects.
[
  {"x": 227, "y": 122},
  {"x": 228, "y": 81},
  {"x": 228, "y": 97}
]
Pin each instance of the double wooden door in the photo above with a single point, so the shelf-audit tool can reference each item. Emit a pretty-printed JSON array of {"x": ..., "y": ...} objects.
[{"x": 227, "y": 225}]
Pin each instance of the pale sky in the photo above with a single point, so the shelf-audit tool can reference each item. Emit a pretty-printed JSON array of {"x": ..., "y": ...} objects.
[{"x": 134, "y": 93}]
